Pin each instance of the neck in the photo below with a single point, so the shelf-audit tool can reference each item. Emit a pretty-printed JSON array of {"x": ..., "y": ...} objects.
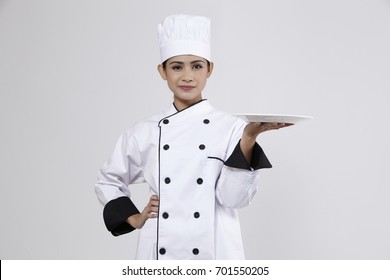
[{"x": 183, "y": 104}]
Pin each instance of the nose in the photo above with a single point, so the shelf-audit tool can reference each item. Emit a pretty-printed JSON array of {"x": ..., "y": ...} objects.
[{"x": 187, "y": 76}]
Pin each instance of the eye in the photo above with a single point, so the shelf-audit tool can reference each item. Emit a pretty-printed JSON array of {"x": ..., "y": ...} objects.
[
  {"x": 197, "y": 66},
  {"x": 177, "y": 67}
]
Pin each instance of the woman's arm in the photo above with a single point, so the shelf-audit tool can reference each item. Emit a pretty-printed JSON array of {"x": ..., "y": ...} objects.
[
  {"x": 251, "y": 131},
  {"x": 150, "y": 211},
  {"x": 239, "y": 178}
]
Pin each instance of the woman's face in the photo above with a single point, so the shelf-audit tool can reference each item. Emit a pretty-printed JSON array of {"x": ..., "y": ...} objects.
[{"x": 186, "y": 76}]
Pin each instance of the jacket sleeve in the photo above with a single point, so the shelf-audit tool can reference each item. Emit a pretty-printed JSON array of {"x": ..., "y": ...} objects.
[
  {"x": 238, "y": 182},
  {"x": 120, "y": 170}
]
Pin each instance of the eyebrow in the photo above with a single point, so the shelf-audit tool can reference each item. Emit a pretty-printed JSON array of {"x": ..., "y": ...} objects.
[{"x": 192, "y": 62}]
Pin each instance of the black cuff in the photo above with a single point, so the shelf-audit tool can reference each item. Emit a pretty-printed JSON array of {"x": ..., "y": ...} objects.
[
  {"x": 259, "y": 159},
  {"x": 115, "y": 214}
]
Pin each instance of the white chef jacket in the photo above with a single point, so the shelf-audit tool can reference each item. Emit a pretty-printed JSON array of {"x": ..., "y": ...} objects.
[{"x": 191, "y": 159}]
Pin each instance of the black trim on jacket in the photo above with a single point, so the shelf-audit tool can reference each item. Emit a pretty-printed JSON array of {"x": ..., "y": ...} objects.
[
  {"x": 115, "y": 214},
  {"x": 259, "y": 159}
]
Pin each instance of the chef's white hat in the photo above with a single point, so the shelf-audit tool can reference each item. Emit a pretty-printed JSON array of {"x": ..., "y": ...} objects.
[{"x": 184, "y": 35}]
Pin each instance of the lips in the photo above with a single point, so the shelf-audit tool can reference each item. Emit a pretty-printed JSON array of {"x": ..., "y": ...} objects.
[{"x": 186, "y": 88}]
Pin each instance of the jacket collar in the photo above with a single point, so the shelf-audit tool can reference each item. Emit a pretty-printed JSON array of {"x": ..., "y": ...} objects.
[{"x": 198, "y": 109}]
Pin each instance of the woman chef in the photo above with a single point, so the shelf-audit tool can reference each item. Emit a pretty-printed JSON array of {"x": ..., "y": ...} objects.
[{"x": 201, "y": 164}]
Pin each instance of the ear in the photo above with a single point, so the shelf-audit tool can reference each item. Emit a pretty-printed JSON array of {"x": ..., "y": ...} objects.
[
  {"x": 162, "y": 72},
  {"x": 210, "y": 69}
]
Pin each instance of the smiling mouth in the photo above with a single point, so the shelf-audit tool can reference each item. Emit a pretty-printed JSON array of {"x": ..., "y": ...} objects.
[{"x": 186, "y": 87}]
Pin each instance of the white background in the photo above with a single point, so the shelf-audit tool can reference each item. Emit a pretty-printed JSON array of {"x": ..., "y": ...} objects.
[{"x": 74, "y": 74}]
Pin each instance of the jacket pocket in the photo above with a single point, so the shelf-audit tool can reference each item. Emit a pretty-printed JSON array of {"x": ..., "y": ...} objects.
[{"x": 213, "y": 168}]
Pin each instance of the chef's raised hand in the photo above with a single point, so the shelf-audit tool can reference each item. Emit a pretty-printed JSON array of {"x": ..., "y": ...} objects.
[
  {"x": 251, "y": 131},
  {"x": 150, "y": 211}
]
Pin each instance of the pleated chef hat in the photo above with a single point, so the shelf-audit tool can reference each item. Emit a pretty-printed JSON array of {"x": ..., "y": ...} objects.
[{"x": 184, "y": 35}]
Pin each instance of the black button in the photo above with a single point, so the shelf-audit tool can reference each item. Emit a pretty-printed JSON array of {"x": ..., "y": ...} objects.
[
  {"x": 163, "y": 251},
  {"x": 196, "y": 215},
  {"x": 200, "y": 181},
  {"x": 202, "y": 147},
  {"x": 165, "y": 215},
  {"x": 166, "y": 147},
  {"x": 167, "y": 180},
  {"x": 166, "y": 121},
  {"x": 195, "y": 251},
  {"x": 206, "y": 121}
]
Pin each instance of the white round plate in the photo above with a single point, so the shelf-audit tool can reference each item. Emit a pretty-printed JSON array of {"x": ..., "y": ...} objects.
[{"x": 273, "y": 118}]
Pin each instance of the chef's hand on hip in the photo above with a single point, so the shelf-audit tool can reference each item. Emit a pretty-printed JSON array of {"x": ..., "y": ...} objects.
[
  {"x": 150, "y": 211},
  {"x": 251, "y": 131}
]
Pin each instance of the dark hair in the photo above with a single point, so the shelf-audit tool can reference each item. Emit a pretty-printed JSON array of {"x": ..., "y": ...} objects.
[{"x": 164, "y": 64}]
